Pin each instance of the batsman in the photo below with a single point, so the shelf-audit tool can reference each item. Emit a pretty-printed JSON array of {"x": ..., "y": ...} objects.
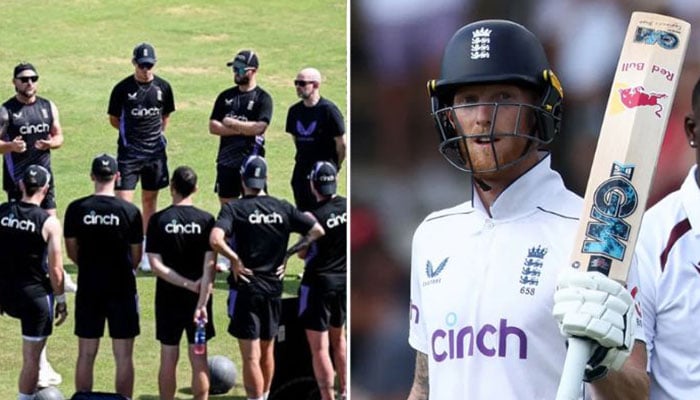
[{"x": 493, "y": 296}]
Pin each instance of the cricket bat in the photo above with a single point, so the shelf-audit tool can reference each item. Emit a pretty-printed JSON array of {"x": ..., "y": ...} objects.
[{"x": 623, "y": 167}]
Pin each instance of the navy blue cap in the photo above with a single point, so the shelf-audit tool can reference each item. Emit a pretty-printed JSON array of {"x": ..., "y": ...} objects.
[
  {"x": 36, "y": 176},
  {"x": 104, "y": 166},
  {"x": 144, "y": 53},
  {"x": 254, "y": 172},
  {"x": 324, "y": 178}
]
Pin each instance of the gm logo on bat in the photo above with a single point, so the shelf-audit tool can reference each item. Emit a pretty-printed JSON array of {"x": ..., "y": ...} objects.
[
  {"x": 666, "y": 40},
  {"x": 607, "y": 234}
]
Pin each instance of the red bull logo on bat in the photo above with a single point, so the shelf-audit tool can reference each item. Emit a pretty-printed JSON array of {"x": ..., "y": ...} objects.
[{"x": 638, "y": 96}]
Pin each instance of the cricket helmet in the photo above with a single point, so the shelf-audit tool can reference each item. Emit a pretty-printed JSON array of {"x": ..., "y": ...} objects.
[{"x": 494, "y": 51}]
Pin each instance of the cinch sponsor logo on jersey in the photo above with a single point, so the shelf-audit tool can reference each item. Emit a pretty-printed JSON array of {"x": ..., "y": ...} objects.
[
  {"x": 94, "y": 218},
  {"x": 191, "y": 228},
  {"x": 259, "y": 218},
  {"x": 20, "y": 224},
  {"x": 488, "y": 340},
  {"x": 532, "y": 269},
  {"x": 145, "y": 112},
  {"x": 334, "y": 221},
  {"x": 433, "y": 272},
  {"x": 31, "y": 129}
]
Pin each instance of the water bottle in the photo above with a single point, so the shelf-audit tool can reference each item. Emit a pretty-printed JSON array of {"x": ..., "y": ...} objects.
[{"x": 200, "y": 338}]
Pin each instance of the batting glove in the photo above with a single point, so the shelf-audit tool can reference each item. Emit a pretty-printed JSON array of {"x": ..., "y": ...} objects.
[{"x": 591, "y": 305}]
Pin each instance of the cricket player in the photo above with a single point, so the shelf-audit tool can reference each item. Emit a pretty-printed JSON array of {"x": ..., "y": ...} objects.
[
  {"x": 240, "y": 117},
  {"x": 668, "y": 254},
  {"x": 181, "y": 258},
  {"x": 261, "y": 225},
  {"x": 318, "y": 129},
  {"x": 323, "y": 291},
  {"x": 30, "y": 129},
  {"x": 139, "y": 109},
  {"x": 31, "y": 277},
  {"x": 103, "y": 235},
  {"x": 484, "y": 273}
]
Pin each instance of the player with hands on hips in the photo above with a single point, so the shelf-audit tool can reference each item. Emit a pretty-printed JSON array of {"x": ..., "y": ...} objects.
[
  {"x": 591, "y": 305},
  {"x": 31, "y": 277},
  {"x": 261, "y": 225}
]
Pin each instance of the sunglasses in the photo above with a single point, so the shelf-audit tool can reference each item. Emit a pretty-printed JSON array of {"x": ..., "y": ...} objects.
[
  {"x": 145, "y": 66},
  {"x": 25, "y": 79},
  {"x": 298, "y": 82},
  {"x": 238, "y": 70}
]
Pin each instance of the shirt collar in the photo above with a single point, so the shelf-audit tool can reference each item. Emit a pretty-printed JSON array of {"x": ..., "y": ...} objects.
[
  {"x": 690, "y": 199},
  {"x": 525, "y": 194}
]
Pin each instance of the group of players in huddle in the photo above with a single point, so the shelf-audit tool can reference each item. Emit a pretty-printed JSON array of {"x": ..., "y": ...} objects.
[{"x": 108, "y": 237}]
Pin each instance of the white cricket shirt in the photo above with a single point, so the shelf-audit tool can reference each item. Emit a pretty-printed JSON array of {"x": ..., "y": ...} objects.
[
  {"x": 668, "y": 276},
  {"x": 482, "y": 291}
]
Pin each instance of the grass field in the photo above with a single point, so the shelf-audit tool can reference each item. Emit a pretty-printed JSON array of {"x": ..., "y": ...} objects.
[{"x": 81, "y": 48}]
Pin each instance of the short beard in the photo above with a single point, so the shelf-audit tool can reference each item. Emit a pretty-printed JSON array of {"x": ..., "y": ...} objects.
[
  {"x": 25, "y": 93},
  {"x": 241, "y": 80}
]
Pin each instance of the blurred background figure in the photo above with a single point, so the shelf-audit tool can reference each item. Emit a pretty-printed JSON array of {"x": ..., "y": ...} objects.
[{"x": 395, "y": 49}]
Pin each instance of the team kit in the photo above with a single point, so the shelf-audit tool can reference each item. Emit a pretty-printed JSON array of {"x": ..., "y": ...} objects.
[{"x": 109, "y": 237}]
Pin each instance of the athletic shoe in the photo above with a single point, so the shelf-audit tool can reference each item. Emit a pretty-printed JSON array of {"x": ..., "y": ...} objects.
[
  {"x": 48, "y": 376},
  {"x": 69, "y": 286}
]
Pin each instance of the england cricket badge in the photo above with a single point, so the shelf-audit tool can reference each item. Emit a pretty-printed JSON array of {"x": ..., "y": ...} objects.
[{"x": 532, "y": 269}]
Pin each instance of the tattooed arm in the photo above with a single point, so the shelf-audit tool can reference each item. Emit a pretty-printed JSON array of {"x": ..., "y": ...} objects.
[{"x": 419, "y": 390}]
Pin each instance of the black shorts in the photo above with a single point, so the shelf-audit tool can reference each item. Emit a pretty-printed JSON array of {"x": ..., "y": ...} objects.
[
  {"x": 319, "y": 309},
  {"x": 152, "y": 171},
  {"x": 303, "y": 198},
  {"x": 253, "y": 315},
  {"x": 172, "y": 319},
  {"x": 34, "y": 311},
  {"x": 121, "y": 313},
  {"x": 228, "y": 182},
  {"x": 49, "y": 202}
]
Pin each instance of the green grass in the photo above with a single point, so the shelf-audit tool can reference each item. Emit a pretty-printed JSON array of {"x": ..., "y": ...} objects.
[{"x": 81, "y": 48}]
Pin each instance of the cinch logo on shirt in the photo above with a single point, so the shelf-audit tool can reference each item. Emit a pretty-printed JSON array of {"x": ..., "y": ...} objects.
[
  {"x": 20, "y": 224},
  {"x": 487, "y": 340},
  {"x": 190, "y": 229},
  {"x": 96, "y": 219},
  {"x": 33, "y": 129},
  {"x": 337, "y": 220},
  {"x": 259, "y": 218},
  {"x": 145, "y": 112}
]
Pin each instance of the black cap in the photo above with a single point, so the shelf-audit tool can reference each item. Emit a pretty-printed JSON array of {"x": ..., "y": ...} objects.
[
  {"x": 24, "y": 66},
  {"x": 324, "y": 178},
  {"x": 36, "y": 176},
  {"x": 245, "y": 59},
  {"x": 144, "y": 53},
  {"x": 104, "y": 166},
  {"x": 254, "y": 172}
]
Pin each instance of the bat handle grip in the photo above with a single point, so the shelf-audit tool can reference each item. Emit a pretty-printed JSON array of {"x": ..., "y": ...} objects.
[{"x": 577, "y": 356}]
